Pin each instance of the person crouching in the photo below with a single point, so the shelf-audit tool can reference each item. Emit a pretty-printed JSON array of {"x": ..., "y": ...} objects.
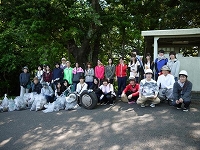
[
  {"x": 131, "y": 93},
  {"x": 108, "y": 94},
  {"x": 148, "y": 90},
  {"x": 182, "y": 91}
]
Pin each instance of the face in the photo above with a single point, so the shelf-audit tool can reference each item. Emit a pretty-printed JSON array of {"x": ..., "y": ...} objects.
[
  {"x": 110, "y": 61},
  {"x": 99, "y": 62},
  {"x": 35, "y": 81},
  {"x": 63, "y": 61},
  {"x": 95, "y": 81},
  {"x": 105, "y": 83},
  {"x": 25, "y": 70},
  {"x": 121, "y": 61},
  {"x": 148, "y": 76},
  {"x": 65, "y": 83},
  {"x": 68, "y": 64},
  {"x": 77, "y": 65},
  {"x": 148, "y": 57},
  {"x": 81, "y": 80},
  {"x": 165, "y": 72},
  {"x": 57, "y": 65},
  {"x": 39, "y": 68},
  {"x": 161, "y": 54},
  {"x": 172, "y": 56},
  {"x": 132, "y": 83},
  {"x": 135, "y": 53},
  {"x": 58, "y": 85},
  {"x": 47, "y": 68},
  {"x": 182, "y": 78},
  {"x": 89, "y": 66}
]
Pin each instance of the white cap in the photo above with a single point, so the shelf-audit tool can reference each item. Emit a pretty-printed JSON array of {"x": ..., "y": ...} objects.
[
  {"x": 149, "y": 71},
  {"x": 183, "y": 72}
]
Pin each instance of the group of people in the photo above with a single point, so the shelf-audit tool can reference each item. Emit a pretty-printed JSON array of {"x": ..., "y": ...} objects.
[{"x": 168, "y": 84}]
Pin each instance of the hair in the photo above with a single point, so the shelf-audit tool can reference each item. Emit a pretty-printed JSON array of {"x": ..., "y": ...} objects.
[
  {"x": 132, "y": 79},
  {"x": 145, "y": 60},
  {"x": 111, "y": 60},
  {"x": 133, "y": 55},
  {"x": 65, "y": 81},
  {"x": 135, "y": 50},
  {"x": 105, "y": 80},
  {"x": 161, "y": 51},
  {"x": 172, "y": 53}
]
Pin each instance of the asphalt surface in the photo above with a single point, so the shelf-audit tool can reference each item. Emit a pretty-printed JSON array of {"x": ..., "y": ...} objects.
[{"x": 119, "y": 127}]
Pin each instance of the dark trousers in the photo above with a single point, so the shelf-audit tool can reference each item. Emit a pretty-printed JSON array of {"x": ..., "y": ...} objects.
[
  {"x": 89, "y": 84},
  {"x": 186, "y": 103},
  {"x": 121, "y": 81},
  {"x": 49, "y": 98},
  {"x": 134, "y": 98},
  {"x": 108, "y": 98}
]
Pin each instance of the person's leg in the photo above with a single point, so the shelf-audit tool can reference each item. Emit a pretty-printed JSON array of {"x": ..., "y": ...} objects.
[
  {"x": 161, "y": 94},
  {"x": 169, "y": 94},
  {"x": 141, "y": 100},
  {"x": 187, "y": 103},
  {"x": 22, "y": 91},
  {"x": 27, "y": 90},
  {"x": 123, "y": 83},
  {"x": 155, "y": 100},
  {"x": 119, "y": 86},
  {"x": 109, "y": 98}
]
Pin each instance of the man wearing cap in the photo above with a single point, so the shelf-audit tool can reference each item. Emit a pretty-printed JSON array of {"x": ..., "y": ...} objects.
[
  {"x": 160, "y": 62},
  {"x": 182, "y": 91},
  {"x": 131, "y": 93},
  {"x": 148, "y": 90},
  {"x": 63, "y": 64},
  {"x": 24, "y": 80},
  {"x": 165, "y": 83}
]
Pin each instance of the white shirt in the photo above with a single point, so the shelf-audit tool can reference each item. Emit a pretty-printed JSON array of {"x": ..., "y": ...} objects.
[
  {"x": 166, "y": 81},
  {"x": 107, "y": 89},
  {"x": 81, "y": 87}
]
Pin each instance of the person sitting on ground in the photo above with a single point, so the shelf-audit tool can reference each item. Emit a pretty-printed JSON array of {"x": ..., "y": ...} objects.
[
  {"x": 165, "y": 83},
  {"x": 36, "y": 86},
  {"x": 131, "y": 92},
  {"x": 95, "y": 88},
  {"x": 66, "y": 88},
  {"x": 81, "y": 86},
  {"x": 182, "y": 91},
  {"x": 107, "y": 91},
  {"x": 47, "y": 91},
  {"x": 58, "y": 90},
  {"x": 148, "y": 90}
]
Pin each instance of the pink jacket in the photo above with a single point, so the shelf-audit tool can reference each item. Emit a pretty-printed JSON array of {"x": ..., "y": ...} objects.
[
  {"x": 77, "y": 70},
  {"x": 99, "y": 72}
]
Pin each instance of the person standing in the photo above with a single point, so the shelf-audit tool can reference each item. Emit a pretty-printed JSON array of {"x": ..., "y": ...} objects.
[
  {"x": 174, "y": 65},
  {"x": 134, "y": 67},
  {"x": 110, "y": 71},
  {"x": 182, "y": 91},
  {"x": 24, "y": 79},
  {"x": 121, "y": 76},
  {"x": 148, "y": 63},
  {"x": 47, "y": 75},
  {"x": 39, "y": 73},
  {"x": 99, "y": 71},
  {"x": 89, "y": 75},
  {"x": 57, "y": 74},
  {"x": 68, "y": 73},
  {"x": 77, "y": 73},
  {"x": 159, "y": 63},
  {"x": 148, "y": 90},
  {"x": 63, "y": 64}
]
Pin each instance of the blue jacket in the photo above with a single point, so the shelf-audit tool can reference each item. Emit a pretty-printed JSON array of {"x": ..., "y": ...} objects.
[
  {"x": 57, "y": 73},
  {"x": 24, "y": 79},
  {"x": 159, "y": 64}
]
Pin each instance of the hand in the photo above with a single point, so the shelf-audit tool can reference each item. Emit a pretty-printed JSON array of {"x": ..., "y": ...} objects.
[
  {"x": 177, "y": 102},
  {"x": 154, "y": 96},
  {"x": 130, "y": 96},
  {"x": 180, "y": 100}
]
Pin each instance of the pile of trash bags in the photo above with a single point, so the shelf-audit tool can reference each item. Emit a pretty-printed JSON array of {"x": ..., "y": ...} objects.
[{"x": 36, "y": 102}]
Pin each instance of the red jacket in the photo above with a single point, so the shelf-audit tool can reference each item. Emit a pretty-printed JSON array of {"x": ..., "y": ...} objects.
[
  {"x": 121, "y": 70},
  {"x": 134, "y": 89},
  {"x": 99, "y": 71}
]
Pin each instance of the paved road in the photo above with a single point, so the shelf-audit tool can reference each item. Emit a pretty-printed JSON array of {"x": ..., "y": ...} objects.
[{"x": 121, "y": 127}]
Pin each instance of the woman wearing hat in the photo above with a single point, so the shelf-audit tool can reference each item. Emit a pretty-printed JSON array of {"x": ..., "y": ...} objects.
[
  {"x": 24, "y": 80},
  {"x": 165, "y": 83},
  {"x": 182, "y": 91},
  {"x": 148, "y": 90},
  {"x": 174, "y": 65}
]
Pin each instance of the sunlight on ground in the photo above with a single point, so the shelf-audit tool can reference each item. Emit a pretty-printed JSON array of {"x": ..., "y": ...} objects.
[{"x": 5, "y": 142}]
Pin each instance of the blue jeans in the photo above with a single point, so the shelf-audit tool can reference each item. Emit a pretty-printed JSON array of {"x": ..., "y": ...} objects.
[{"x": 121, "y": 81}]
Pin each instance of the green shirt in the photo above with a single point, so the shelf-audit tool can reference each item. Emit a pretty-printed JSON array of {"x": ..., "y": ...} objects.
[{"x": 68, "y": 74}]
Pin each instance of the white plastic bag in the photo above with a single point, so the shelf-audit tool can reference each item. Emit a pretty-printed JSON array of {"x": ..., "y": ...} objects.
[
  {"x": 5, "y": 103},
  {"x": 11, "y": 105},
  {"x": 50, "y": 108},
  {"x": 20, "y": 103},
  {"x": 70, "y": 103},
  {"x": 39, "y": 102}
]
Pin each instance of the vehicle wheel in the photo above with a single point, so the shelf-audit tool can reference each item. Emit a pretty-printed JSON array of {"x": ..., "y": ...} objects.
[{"x": 88, "y": 99}]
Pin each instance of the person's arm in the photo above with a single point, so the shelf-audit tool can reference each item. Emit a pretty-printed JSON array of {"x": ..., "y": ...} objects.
[
  {"x": 106, "y": 72},
  {"x": 137, "y": 86},
  {"x": 172, "y": 81},
  {"x": 177, "y": 68},
  {"x": 156, "y": 67},
  {"x": 175, "y": 91},
  {"x": 140, "y": 89},
  {"x": 188, "y": 88},
  {"x": 113, "y": 72}
]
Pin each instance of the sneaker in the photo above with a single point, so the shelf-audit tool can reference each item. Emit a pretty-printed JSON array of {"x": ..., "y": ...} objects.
[
  {"x": 142, "y": 105},
  {"x": 185, "y": 109},
  {"x": 131, "y": 102},
  {"x": 152, "y": 105},
  {"x": 101, "y": 97},
  {"x": 178, "y": 108}
]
